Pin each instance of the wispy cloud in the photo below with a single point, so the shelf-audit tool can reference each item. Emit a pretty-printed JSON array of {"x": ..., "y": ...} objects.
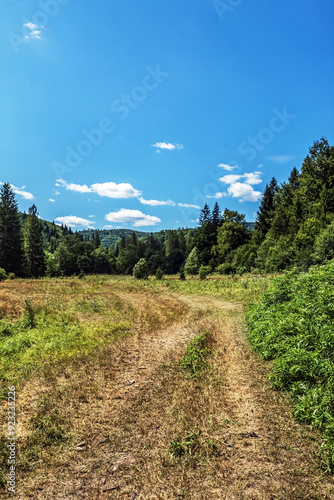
[
  {"x": 229, "y": 168},
  {"x": 166, "y": 145},
  {"x": 109, "y": 189},
  {"x": 134, "y": 217},
  {"x": 188, "y": 205},
  {"x": 19, "y": 191},
  {"x": 280, "y": 158},
  {"x": 217, "y": 196},
  {"x": 32, "y": 31},
  {"x": 155, "y": 203},
  {"x": 74, "y": 221},
  {"x": 51, "y": 199}
]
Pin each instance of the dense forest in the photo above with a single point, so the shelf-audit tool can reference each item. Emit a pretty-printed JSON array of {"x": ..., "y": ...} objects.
[{"x": 294, "y": 227}]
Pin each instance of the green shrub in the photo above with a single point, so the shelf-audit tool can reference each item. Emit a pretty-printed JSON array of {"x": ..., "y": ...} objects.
[
  {"x": 292, "y": 325},
  {"x": 11, "y": 276},
  {"x": 141, "y": 270},
  {"x": 3, "y": 274},
  {"x": 196, "y": 353},
  {"x": 204, "y": 271},
  {"x": 159, "y": 274},
  {"x": 182, "y": 275},
  {"x": 226, "y": 268}
]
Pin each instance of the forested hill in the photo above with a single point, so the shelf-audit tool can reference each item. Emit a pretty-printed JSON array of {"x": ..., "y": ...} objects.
[{"x": 294, "y": 227}]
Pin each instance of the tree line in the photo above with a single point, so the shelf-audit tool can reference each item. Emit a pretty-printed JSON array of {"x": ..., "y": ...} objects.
[{"x": 294, "y": 227}]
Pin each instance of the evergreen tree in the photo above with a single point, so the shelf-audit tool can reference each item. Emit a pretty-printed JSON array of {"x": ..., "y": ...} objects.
[
  {"x": 10, "y": 231},
  {"x": 217, "y": 219},
  {"x": 205, "y": 215},
  {"x": 266, "y": 210},
  {"x": 33, "y": 245},
  {"x": 192, "y": 263}
]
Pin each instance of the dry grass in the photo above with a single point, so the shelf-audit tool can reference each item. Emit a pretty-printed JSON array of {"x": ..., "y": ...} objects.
[{"x": 125, "y": 429}]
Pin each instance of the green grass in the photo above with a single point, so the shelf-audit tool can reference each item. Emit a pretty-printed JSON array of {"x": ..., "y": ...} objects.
[
  {"x": 29, "y": 343},
  {"x": 292, "y": 325},
  {"x": 194, "y": 360}
]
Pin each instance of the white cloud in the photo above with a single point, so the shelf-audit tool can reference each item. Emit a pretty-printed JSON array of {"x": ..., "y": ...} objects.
[
  {"x": 113, "y": 190},
  {"x": 108, "y": 226},
  {"x": 108, "y": 189},
  {"x": 57, "y": 193},
  {"x": 25, "y": 194},
  {"x": 280, "y": 158},
  {"x": 217, "y": 196},
  {"x": 90, "y": 216},
  {"x": 227, "y": 167},
  {"x": 189, "y": 205},
  {"x": 155, "y": 203},
  {"x": 250, "y": 178},
  {"x": 32, "y": 31},
  {"x": 244, "y": 192},
  {"x": 228, "y": 179},
  {"x": 51, "y": 199},
  {"x": 134, "y": 217},
  {"x": 74, "y": 221},
  {"x": 166, "y": 145}
]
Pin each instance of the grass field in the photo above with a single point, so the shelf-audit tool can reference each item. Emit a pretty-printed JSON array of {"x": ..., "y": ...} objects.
[{"x": 147, "y": 389}]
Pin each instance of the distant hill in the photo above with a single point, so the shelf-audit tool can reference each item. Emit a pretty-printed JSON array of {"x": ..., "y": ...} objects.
[{"x": 110, "y": 237}]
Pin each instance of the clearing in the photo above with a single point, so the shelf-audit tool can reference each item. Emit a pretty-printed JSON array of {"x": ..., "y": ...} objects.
[{"x": 99, "y": 426}]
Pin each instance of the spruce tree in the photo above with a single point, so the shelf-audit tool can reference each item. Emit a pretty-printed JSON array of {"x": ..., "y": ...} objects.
[
  {"x": 266, "y": 210},
  {"x": 33, "y": 245},
  {"x": 10, "y": 231}
]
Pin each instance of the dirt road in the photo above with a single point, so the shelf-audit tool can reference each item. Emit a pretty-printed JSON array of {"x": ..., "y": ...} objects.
[{"x": 133, "y": 400}]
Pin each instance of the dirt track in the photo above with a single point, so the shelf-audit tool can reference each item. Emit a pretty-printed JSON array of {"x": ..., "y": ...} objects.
[{"x": 140, "y": 400}]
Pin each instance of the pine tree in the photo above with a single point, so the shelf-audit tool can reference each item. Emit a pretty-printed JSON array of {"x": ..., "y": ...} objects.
[
  {"x": 217, "y": 219},
  {"x": 205, "y": 215},
  {"x": 33, "y": 245},
  {"x": 266, "y": 210},
  {"x": 10, "y": 231}
]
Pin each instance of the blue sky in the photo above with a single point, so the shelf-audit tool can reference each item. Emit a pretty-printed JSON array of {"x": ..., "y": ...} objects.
[{"x": 134, "y": 114}]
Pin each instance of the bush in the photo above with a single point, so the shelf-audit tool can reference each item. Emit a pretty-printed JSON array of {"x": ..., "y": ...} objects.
[
  {"x": 159, "y": 274},
  {"x": 3, "y": 274},
  {"x": 292, "y": 325},
  {"x": 192, "y": 263},
  {"x": 226, "y": 268},
  {"x": 182, "y": 275},
  {"x": 204, "y": 271},
  {"x": 11, "y": 276},
  {"x": 140, "y": 270}
]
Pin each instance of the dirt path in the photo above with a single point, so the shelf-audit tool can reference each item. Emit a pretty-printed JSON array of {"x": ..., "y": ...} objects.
[{"x": 139, "y": 401}]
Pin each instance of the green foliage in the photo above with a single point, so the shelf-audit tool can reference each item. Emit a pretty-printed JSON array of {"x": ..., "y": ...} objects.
[
  {"x": 3, "y": 274},
  {"x": 10, "y": 276},
  {"x": 29, "y": 315},
  {"x": 11, "y": 254},
  {"x": 226, "y": 268},
  {"x": 324, "y": 244},
  {"x": 231, "y": 235},
  {"x": 204, "y": 271},
  {"x": 159, "y": 274},
  {"x": 33, "y": 245},
  {"x": 292, "y": 325},
  {"x": 182, "y": 275},
  {"x": 192, "y": 263},
  {"x": 140, "y": 270},
  {"x": 188, "y": 446},
  {"x": 194, "y": 360}
]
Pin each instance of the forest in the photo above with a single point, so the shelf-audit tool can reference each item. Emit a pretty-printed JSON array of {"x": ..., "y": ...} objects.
[{"x": 294, "y": 227}]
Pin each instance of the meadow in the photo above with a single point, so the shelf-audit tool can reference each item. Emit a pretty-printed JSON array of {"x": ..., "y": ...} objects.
[{"x": 147, "y": 389}]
